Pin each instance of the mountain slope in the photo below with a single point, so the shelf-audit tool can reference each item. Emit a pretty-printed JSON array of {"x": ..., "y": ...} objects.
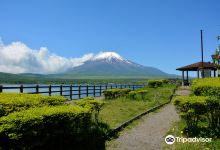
[{"x": 13, "y": 78}]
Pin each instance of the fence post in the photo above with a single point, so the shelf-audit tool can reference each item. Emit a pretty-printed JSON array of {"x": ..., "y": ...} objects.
[
  {"x": 50, "y": 89},
  {"x": 133, "y": 87},
  {"x": 106, "y": 86},
  {"x": 111, "y": 86},
  {"x": 87, "y": 90},
  {"x": 100, "y": 90},
  {"x": 71, "y": 90},
  {"x": 61, "y": 90},
  {"x": 94, "y": 90},
  {"x": 79, "y": 91},
  {"x": 37, "y": 89},
  {"x": 1, "y": 88},
  {"x": 116, "y": 86},
  {"x": 121, "y": 86},
  {"x": 21, "y": 88}
]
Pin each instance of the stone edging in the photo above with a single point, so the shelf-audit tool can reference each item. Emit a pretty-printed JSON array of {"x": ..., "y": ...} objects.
[{"x": 114, "y": 131}]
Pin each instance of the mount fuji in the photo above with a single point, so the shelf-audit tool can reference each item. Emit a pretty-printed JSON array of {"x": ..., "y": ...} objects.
[{"x": 111, "y": 65}]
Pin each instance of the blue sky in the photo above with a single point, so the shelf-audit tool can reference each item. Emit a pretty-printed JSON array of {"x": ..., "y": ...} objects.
[{"x": 158, "y": 33}]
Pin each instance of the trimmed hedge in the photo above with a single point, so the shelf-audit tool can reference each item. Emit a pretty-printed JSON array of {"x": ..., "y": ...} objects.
[
  {"x": 88, "y": 98},
  {"x": 201, "y": 112},
  {"x": 115, "y": 93},
  {"x": 206, "y": 87},
  {"x": 138, "y": 94},
  {"x": 155, "y": 83},
  {"x": 165, "y": 81},
  {"x": 94, "y": 105},
  {"x": 50, "y": 127},
  {"x": 197, "y": 110},
  {"x": 10, "y": 102},
  {"x": 91, "y": 104},
  {"x": 190, "y": 108}
]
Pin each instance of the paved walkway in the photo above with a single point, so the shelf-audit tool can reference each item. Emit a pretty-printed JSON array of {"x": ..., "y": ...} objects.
[{"x": 149, "y": 133}]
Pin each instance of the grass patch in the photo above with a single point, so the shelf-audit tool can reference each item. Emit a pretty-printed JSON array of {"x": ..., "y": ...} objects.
[
  {"x": 119, "y": 110},
  {"x": 176, "y": 131}
]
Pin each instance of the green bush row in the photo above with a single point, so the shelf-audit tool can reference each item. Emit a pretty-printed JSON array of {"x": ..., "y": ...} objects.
[
  {"x": 10, "y": 102},
  {"x": 50, "y": 127},
  {"x": 115, "y": 93},
  {"x": 155, "y": 83},
  {"x": 138, "y": 94},
  {"x": 206, "y": 87},
  {"x": 32, "y": 121},
  {"x": 199, "y": 110}
]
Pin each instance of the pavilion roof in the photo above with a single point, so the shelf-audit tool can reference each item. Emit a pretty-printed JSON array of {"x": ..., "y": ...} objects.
[{"x": 198, "y": 65}]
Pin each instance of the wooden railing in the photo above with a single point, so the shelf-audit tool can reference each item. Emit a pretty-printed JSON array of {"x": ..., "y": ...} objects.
[{"x": 69, "y": 91}]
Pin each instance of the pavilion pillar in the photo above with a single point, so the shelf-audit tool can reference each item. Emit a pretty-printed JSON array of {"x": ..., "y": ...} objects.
[
  {"x": 214, "y": 73},
  {"x": 182, "y": 78},
  {"x": 197, "y": 73},
  {"x": 187, "y": 76}
]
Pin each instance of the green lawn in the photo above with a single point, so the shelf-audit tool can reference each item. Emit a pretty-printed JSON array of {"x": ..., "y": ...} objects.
[
  {"x": 117, "y": 111},
  {"x": 176, "y": 129}
]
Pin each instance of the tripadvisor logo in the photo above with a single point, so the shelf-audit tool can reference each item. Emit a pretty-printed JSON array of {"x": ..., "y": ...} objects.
[{"x": 169, "y": 139}]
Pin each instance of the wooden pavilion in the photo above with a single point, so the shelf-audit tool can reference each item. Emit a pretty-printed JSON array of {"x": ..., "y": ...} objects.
[{"x": 206, "y": 67}]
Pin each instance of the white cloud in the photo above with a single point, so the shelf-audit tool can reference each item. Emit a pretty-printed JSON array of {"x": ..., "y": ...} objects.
[
  {"x": 79, "y": 61},
  {"x": 19, "y": 58}
]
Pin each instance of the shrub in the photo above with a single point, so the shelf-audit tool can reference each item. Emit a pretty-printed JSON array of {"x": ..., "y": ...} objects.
[
  {"x": 198, "y": 109},
  {"x": 165, "y": 81},
  {"x": 155, "y": 83},
  {"x": 88, "y": 98},
  {"x": 206, "y": 87},
  {"x": 132, "y": 94},
  {"x": 138, "y": 94},
  {"x": 50, "y": 127},
  {"x": 124, "y": 92},
  {"x": 10, "y": 102},
  {"x": 210, "y": 87},
  {"x": 213, "y": 109},
  {"x": 94, "y": 105},
  {"x": 115, "y": 93},
  {"x": 190, "y": 108},
  {"x": 110, "y": 93}
]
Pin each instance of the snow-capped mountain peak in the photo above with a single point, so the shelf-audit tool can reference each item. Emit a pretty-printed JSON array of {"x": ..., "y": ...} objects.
[
  {"x": 111, "y": 64},
  {"x": 107, "y": 56}
]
